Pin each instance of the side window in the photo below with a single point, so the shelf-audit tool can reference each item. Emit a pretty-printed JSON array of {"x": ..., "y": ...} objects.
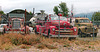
[{"x": 76, "y": 21}]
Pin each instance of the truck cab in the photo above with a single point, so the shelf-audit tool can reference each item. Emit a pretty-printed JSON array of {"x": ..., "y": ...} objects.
[
  {"x": 53, "y": 27},
  {"x": 16, "y": 23}
]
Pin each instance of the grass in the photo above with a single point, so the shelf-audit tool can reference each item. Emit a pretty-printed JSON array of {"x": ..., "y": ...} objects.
[
  {"x": 7, "y": 41},
  {"x": 23, "y": 46}
]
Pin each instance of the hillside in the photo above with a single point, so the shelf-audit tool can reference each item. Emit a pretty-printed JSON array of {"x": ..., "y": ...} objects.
[{"x": 89, "y": 15}]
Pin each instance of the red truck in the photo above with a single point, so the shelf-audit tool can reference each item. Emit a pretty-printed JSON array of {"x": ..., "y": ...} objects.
[
  {"x": 50, "y": 27},
  {"x": 16, "y": 24}
]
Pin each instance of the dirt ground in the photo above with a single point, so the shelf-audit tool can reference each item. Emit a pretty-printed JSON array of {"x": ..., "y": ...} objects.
[{"x": 60, "y": 48}]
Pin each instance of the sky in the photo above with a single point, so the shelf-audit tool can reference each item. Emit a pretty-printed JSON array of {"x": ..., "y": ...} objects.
[{"x": 79, "y": 6}]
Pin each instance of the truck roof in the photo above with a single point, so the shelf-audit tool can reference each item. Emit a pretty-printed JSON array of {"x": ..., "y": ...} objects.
[{"x": 81, "y": 18}]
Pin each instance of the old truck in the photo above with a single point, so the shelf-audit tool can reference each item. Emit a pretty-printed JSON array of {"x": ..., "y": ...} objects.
[
  {"x": 50, "y": 27},
  {"x": 85, "y": 27},
  {"x": 16, "y": 24}
]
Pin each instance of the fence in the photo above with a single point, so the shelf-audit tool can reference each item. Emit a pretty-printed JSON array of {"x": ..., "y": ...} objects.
[{"x": 19, "y": 27}]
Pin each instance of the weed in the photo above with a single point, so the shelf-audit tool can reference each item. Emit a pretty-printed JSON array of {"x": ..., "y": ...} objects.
[
  {"x": 25, "y": 46},
  {"x": 41, "y": 46},
  {"x": 89, "y": 46},
  {"x": 67, "y": 45}
]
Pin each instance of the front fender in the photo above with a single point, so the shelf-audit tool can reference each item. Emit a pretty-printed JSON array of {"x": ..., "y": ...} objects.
[
  {"x": 75, "y": 32},
  {"x": 37, "y": 28},
  {"x": 51, "y": 29},
  {"x": 81, "y": 28}
]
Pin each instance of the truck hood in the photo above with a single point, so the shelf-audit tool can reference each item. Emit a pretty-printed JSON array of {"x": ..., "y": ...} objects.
[
  {"x": 86, "y": 24},
  {"x": 62, "y": 23}
]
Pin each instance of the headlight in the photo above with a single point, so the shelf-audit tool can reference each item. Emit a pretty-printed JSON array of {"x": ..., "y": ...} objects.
[
  {"x": 74, "y": 29},
  {"x": 95, "y": 28},
  {"x": 53, "y": 29}
]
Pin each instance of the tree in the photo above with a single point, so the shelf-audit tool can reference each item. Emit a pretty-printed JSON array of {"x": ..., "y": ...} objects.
[
  {"x": 1, "y": 12},
  {"x": 30, "y": 13},
  {"x": 55, "y": 10},
  {"x": 96, "y": 16},
  {"x": 62, "y": 9}
]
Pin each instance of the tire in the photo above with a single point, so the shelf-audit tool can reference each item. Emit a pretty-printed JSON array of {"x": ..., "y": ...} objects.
[
  {"x": 72, "y": 38},
  {"x": 48, "y": 33},
  {"x": 95, "y": 34},
  {"x": 35, "y": 31},
  {"x": 4, "y": 31},
  {"x": 80, "y": 33}
]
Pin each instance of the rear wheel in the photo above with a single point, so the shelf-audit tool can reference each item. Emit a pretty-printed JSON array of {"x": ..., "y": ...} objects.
[
  {"x": 48, "y": 33},
  {"x": 4, "y": 31},
  {"x": 35, "y": 31},
  {"x": 95, "y": 35}
]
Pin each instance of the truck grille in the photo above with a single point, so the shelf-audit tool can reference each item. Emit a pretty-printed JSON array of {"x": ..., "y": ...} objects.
[
  {"x": 89, "y": 30},
  {"x": 16, "y": 24},
  {"x": 64, "y": 32}
]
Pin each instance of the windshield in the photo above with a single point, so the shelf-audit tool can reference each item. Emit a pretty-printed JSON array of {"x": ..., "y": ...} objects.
[
  {"x": 57, "y": 18},
  {"x": 84, "y": 21},
  {"x": 1, "y": 26}
]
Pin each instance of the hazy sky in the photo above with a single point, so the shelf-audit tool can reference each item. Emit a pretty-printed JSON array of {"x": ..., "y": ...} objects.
[{"x": 80, "y": 6}]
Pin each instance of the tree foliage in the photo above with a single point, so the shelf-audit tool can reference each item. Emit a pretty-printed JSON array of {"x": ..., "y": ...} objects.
[
  {"x": 55, "y": 10},
  {"x": 62, "y": 8},
  {"x": 96, "y": 16},
  {"x": 1, "y": 12},
  {"x": 30, "y": 13}
]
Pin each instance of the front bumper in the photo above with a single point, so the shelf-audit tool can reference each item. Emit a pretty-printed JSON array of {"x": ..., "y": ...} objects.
[
  {"x": 15, "y": 32},
  {"x": 51, "y": 35},
  {"x": 64, "y": 32},
  {"x": 90, "y": 30}
]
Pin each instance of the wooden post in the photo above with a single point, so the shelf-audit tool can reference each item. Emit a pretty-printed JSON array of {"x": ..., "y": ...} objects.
[
  {"x": 33, "y": 11},
  {"x": 25, "y": 21}
]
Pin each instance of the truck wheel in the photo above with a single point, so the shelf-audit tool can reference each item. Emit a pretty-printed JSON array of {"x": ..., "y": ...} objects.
[
  {"x": 35, "y": 31},
  {"x": 72, "y": 38},
  {"x": 95, "y": 34},
  {"x": 80, "y": 33},
  {"x": 48, "y": 33},
  {"x": 4, "y": 31}
]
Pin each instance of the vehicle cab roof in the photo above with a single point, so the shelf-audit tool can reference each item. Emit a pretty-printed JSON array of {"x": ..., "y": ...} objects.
[{"x": 81, "y": 18}]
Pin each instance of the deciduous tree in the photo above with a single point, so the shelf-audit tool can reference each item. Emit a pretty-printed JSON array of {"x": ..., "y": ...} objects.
[{"x": 62, "y": 8}]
